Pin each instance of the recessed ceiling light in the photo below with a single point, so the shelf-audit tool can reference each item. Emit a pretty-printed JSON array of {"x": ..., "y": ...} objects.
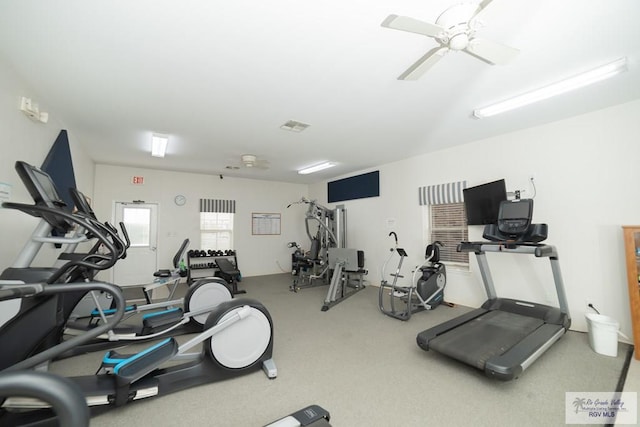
[
  {"x": 159, "y": 145},
  {"x": 294, "y": 126}
]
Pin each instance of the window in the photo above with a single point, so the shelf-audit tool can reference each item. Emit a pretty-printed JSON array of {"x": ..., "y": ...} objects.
[
  {"x": 138, "y": 222},
  {"x": 216, "y": 230},
  {"x": 447, "y": 218},
  {"x": 448, "y": 224},
  {"x": 216, "y": 224}
]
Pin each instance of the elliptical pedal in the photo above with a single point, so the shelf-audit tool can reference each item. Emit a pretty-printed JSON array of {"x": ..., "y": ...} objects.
[
  {"x": 95, "y": 313},
  {"x": 135, "y": 366},
  {"x": 154, "y": 321}
]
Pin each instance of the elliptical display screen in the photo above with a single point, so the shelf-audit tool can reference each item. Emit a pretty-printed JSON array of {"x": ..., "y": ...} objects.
[
  {"x": 81, "y": 202},
  {"x": 47, "y": 185},
  {"x": 39, "y": 184},
  {"x": 44, "y": 193}
]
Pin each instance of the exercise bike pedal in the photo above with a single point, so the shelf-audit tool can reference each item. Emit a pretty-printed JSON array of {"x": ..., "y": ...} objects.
[{"x": 399, "y": 294}]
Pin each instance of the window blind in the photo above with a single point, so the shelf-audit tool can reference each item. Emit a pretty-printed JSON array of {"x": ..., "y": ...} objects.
[
  {"x": 217, "y": 205},
  {"x": 449, "y": 226},
  {"x": 441, "y": 193}
]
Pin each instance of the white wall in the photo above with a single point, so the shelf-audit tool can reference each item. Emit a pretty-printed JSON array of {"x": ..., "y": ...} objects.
[
  {"x": 257, "y": 255},
  {"x": 23, "y": 139},
  {"x": 586, "y": 175}
]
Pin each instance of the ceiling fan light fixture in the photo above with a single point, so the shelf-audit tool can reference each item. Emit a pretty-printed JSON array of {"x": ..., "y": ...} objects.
[
  {"x": 316, "y": 168},
  {"x": 459, "y": 41},
  {"x": 563, "y": 86},
  {"x": 159, "y": 145},
  {"x": 249, "y": 160}
]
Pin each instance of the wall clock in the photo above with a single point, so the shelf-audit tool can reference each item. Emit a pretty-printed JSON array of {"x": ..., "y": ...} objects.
[{"x": 180, "y": 200}]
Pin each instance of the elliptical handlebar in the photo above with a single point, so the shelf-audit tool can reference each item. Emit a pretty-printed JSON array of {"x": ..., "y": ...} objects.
[
  {"x": 65, "y": 346},
  {"x": 19, "y": 291},
  {"x": 120, "y": 244},
  {"x": 66, "y": 398},
  {"x": 80, "y": 219},
  {"x": 125, "y": 235}
]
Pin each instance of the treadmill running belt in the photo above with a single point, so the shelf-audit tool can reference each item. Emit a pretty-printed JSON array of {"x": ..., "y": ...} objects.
[{"x": 486, "y": 336}]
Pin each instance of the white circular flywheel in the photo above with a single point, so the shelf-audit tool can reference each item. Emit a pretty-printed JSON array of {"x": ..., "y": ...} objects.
[
  {"x": 207, "y": 296},
  {"x": 242, "y": 343}
]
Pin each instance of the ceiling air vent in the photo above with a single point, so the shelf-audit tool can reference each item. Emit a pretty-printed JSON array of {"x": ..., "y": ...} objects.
[{"x": 294, "y": 126}]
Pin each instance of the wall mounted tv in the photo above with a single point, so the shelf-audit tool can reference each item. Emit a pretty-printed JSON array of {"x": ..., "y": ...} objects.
[
  {"x": 482, "y": 202},
  {"x": 355, "y": 187}
]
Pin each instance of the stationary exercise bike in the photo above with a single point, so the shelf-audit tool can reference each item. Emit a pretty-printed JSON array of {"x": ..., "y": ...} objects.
[{"x": 426, "y": 290}]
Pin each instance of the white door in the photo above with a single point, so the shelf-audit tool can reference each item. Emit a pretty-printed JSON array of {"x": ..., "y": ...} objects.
[{"x": 141, "y": 222}]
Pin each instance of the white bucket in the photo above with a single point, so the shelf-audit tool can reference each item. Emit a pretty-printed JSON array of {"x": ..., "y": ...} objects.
[{"x": 603, "y": 334}]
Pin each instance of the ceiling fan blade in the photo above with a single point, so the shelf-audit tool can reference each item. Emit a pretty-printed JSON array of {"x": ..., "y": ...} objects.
[
  {"x": 411, "y": 25},
  {"x": 423, "y": 64},
  {"x": 490, "y": 51},
  {"x": 481, "y": 6}
]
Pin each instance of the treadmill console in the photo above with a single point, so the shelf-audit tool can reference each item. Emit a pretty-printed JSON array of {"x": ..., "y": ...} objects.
[
  {"x": 514, "y": 224},
  {"x": 514, "y": 217}
]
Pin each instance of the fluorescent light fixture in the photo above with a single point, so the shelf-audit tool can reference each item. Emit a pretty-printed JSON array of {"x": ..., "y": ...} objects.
[
  {"x": 316, "y": 168},
  {"x": 554, "y": 89},
  {"x": 159, "y": 145}
]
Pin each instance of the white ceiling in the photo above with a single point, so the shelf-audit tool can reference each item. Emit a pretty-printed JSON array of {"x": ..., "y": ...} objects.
[{"x": 220, "y": 77}]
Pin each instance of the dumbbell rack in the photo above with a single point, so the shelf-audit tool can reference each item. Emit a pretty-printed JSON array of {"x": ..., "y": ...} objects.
[{"x": 202, "y": 263}]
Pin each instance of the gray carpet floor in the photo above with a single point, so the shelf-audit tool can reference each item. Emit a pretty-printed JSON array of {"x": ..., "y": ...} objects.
[{"x": 366, "y": 370}]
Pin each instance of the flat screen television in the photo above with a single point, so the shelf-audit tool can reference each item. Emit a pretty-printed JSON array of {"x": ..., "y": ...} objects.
[{"x": 482, "y": 202}]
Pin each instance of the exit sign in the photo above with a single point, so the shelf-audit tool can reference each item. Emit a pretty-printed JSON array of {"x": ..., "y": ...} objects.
[{"x": 137, "y": 180}]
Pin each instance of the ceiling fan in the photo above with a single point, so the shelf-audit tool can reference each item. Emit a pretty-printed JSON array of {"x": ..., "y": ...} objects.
[
  {"x": 251, "y": 161},
  {"x": 454, "y": 30}
]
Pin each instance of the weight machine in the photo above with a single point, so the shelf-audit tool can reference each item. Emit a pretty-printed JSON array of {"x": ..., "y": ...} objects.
[
  {"x": 329, "y": 261},
  {"x": 346, "y": 279},
  {"x": 311, "y": 268}
]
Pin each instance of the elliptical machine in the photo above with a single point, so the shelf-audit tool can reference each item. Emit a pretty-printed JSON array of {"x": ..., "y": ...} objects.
[
  {"x": 237, "y": 337},
  {"x": 172, "y": 317},
  {"x": 423, "y": 293}
]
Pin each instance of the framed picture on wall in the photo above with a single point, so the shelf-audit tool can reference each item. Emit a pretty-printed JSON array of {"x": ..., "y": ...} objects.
[{"x": 265, "y": 223}]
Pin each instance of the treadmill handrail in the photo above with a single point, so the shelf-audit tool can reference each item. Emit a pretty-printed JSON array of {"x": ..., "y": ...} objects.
[{"x": 537, "y": 249}]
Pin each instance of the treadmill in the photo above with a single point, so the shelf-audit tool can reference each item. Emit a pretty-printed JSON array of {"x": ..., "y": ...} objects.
[{"x": 504, "y": 336}]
